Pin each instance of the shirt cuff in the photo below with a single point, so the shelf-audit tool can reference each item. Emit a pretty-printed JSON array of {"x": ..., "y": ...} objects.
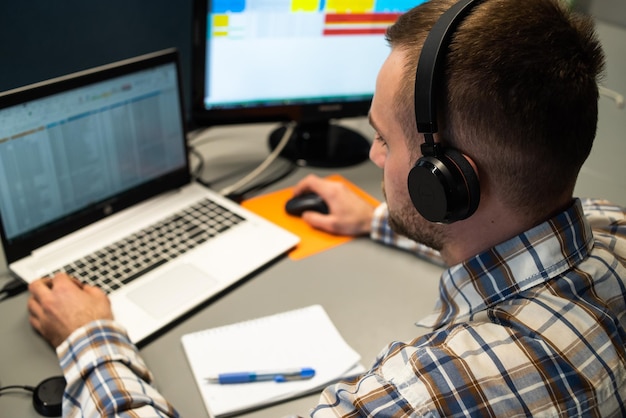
[{"x": 96, "y": 343}]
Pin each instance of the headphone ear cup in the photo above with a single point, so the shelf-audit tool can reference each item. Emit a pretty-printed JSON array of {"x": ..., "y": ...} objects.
[{"x": 444, "y": 189}]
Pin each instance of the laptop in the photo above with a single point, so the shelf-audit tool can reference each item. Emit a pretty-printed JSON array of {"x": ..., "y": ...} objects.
[{"x": 95, "y": 181}]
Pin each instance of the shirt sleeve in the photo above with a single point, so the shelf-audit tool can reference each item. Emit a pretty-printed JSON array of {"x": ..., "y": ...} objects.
[
  {"x": 373, "y": 393},
  {"x": 382, "y": 232},
  {"x": 106, "y": 376}
]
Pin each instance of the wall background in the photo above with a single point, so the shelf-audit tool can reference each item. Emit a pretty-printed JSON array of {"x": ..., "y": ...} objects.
[
  {"x": 41, "y": 39},
  {"x": 612, "y": 11}
]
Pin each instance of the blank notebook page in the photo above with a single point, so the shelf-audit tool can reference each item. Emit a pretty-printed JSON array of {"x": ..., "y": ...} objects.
[{"x": 304, "y": 337}]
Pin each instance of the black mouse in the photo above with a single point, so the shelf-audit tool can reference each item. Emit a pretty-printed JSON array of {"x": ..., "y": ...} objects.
[{"x": 303, "y": 202}]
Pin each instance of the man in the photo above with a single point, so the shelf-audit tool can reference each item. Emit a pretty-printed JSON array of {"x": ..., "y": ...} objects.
[{"x": 531, "y": 316}]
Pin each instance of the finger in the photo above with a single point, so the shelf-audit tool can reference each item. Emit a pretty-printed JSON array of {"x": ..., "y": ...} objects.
[
  {"x": 304, "y": 185},
  {"x": 319, "y": 221},
  {"x": 35, "y": 323},
  {"x": 94, "y": 290},
  {"x": 35, "y": 313},
  {"x": 33, "y": 307},
  {"x": 64, "y": 276},
  {"x": 78, "y": 283},
  {"x": 40, "y": 287},
  {"x": 316, "y": 183},
  {"x": 63, "y": 280}
]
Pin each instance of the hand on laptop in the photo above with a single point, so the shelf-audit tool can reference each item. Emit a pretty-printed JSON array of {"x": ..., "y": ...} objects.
[
  {"x": 57, "y": 307},
  {"x": 349, "y": 213}
]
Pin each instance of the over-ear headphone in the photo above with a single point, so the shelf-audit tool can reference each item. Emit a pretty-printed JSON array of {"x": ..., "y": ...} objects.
[{"x": 443, "y": 184}]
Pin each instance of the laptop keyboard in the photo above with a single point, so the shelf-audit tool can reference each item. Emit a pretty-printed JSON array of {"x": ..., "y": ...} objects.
[{"x": 122, "y": 262}]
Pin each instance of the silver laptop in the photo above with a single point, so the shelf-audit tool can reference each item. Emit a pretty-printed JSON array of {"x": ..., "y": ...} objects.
[{"x": 95, "y": 181}]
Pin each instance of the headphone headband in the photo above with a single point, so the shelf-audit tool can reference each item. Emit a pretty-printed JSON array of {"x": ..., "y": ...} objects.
[{"x": 430, "y": 71}]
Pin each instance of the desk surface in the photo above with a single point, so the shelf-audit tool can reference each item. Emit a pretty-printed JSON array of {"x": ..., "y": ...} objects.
[{"x": 373, "y": 294}]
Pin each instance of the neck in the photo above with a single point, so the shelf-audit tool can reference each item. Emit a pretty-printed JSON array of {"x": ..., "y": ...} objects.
[{"x": 492, "y": 224}]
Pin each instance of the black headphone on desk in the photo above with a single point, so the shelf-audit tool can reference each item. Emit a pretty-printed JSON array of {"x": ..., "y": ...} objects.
[{"x": 443, "y": 185}]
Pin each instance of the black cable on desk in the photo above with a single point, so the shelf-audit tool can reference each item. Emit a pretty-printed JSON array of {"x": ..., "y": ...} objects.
[
  {"x": 27, "y": 388},
  {"x": 12, "y": 288},
  {"x": 47, "y": 395}
]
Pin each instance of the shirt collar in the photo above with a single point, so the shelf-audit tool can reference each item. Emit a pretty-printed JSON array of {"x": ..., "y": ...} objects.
[{"x": 513, "y": 266}]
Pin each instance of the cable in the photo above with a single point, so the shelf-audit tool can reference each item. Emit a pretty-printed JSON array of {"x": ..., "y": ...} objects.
[
  {"x": 12, "y": 288},
  {"x": 194, "y": 135},
  {"x": 240, "y": 196},
  {"x": 270, "y": 158},
  {"x": 47, "y": 396},
  {"x": 198, "y": 170},
  {"x": 234, "y": 173},
  {"x": 22, "y": 387}
]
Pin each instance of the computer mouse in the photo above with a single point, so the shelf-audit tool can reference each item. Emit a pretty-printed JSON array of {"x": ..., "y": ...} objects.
[{"x": 304, "y": 202}]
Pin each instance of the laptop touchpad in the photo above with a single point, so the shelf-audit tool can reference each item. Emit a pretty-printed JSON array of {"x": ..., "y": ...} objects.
[{"x": 175, "y": 287}]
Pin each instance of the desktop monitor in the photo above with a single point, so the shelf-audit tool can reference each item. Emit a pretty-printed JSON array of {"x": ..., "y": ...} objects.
[{"x": 307, "y": 61}]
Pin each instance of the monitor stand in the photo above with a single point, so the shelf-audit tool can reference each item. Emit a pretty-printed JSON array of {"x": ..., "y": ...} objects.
[{"x": 322, "y": 144}]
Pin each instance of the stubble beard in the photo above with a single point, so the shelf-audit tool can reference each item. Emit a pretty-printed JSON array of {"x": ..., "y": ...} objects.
[{"x": 405, "y": 220}]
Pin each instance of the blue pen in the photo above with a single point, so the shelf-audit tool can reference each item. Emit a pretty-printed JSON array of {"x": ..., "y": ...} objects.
[{"x": 279, "y": 376}]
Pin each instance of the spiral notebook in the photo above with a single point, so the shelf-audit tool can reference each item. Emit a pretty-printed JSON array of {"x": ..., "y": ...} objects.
[{"x": 304, "y": 337}]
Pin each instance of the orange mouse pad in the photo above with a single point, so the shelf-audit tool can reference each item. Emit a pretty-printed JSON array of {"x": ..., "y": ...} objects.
[{"x": 271, "y": 206}]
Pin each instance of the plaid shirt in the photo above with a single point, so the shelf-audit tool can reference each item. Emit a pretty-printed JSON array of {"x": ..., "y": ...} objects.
[
  {"x": 106, "y": 376},
  {"x": 533, "y": 327}
]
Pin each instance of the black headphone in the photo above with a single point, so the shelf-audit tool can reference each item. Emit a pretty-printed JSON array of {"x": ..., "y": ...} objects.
[{"x": 443, "y": 184}]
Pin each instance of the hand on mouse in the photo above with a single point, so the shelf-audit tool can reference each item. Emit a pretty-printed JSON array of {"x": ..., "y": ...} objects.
[
  {"x": 349, "y": 213},
  {"x": 59, "y": 306}
]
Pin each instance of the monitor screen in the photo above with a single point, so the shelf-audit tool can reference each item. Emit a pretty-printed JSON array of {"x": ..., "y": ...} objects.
[{"x": 311, "y": 62}]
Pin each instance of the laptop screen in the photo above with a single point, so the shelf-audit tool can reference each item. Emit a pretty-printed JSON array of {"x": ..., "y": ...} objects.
[{"x": 82, "y": 144}]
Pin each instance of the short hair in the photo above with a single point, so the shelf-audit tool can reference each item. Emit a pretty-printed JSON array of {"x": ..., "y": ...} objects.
[{"x": 520, "y": 89}]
